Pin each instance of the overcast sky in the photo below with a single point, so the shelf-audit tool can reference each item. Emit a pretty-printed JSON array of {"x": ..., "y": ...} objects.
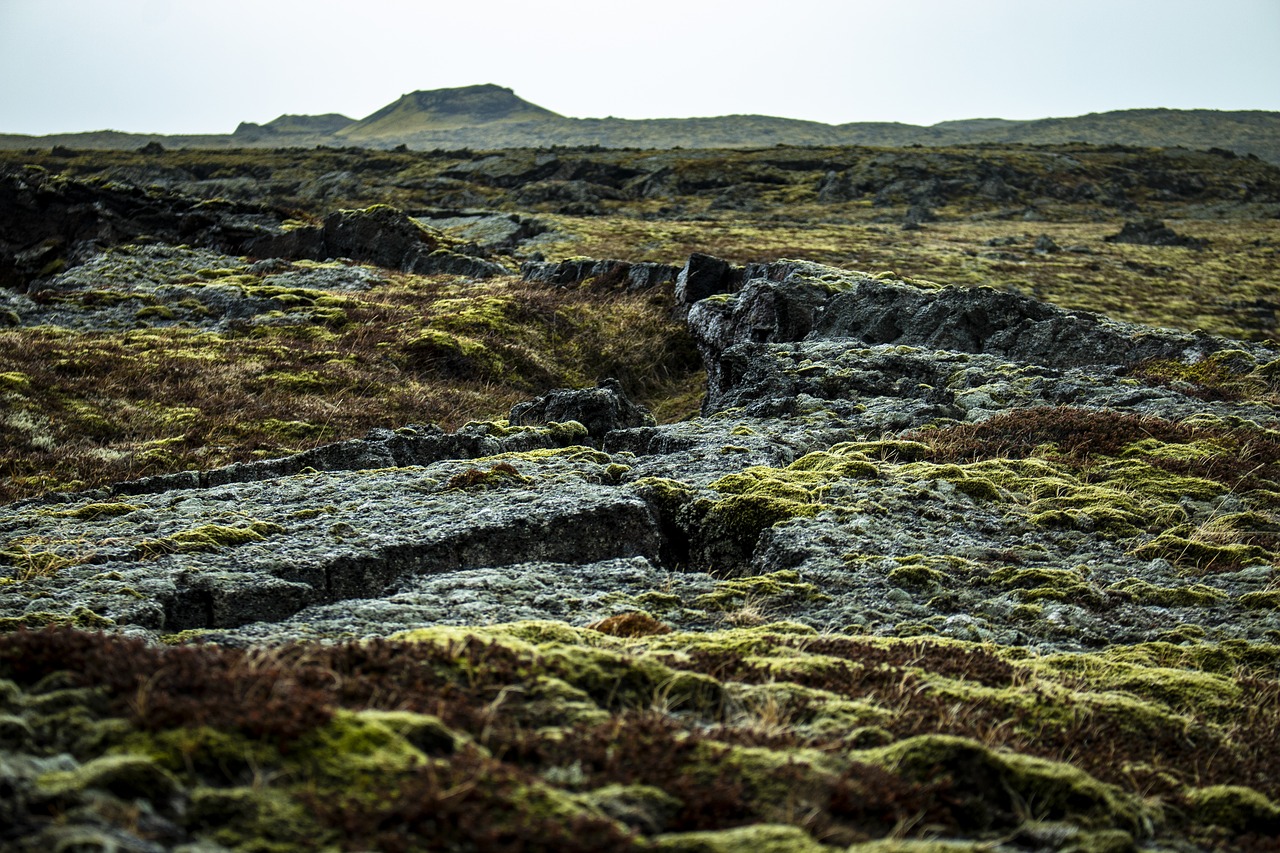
[{"x": 203, "y": 66}]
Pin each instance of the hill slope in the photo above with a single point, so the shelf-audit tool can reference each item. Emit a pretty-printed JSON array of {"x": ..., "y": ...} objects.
[
  {"x": 446, "y": 109},
  {"x": 490, "y": 116}
]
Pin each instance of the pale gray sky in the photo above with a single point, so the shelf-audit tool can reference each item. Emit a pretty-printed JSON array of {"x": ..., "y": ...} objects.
[{"x": 202, "y": 66}]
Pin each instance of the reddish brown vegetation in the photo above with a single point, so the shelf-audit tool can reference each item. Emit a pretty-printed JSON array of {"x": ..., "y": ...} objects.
[
  {"x": 1081, "y": 436},
  {"x": 484, "y": 689},
  {"x": 630, "y": 625}
]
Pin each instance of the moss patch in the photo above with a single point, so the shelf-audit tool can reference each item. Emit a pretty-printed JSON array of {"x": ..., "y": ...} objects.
[{"x": 209, "y": 537}]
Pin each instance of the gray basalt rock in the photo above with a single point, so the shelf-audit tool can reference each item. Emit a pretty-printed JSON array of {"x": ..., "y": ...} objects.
[
  {"x": 1153, "y": 232},
  {"x": 381, "y": 235},
  {"x": 602, "y": 273},
  {"x": 87, "y": 217},
  {"x": 601, "y": 410},
  {"x": 703, "y": 276},
  {"x": 220, "y": 556},
  {"x": 795, "y": 301},
  {"x": 415, "y": 444},
  {"x": 807, "y": 470},
  {"x": 83, "y": 217}
]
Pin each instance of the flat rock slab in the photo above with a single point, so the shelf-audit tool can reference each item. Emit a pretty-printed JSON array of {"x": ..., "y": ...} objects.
[{"x": 245, "y": 552}]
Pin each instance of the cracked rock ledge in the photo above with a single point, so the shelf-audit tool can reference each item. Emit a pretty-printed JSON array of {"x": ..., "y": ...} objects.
[{"x": 815, "y": 461}]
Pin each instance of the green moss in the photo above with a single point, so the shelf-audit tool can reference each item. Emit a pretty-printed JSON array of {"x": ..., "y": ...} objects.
[
  {"x": 731, "y": 527},
  {"x": 785, "y": 584},
  {"x": 1182, "y": 633},
  {"x": 281, "y": 430},
  {"x": 220, "y": 273},
  {"x": 128, "y": 777},
  {"x": 191, "y": 635},
  {"x": 313, "y": 512},
  {"x": 1197, "y": 451},
  {"x": 1234, "y": 807},
  {"x": 615, "y": 680},
  {"x": 758, "y": 838},
  {"x": 659, "y": 602},
  {"x": 914, "y": 845},
  {"x": 1175, "y": 546},
  {"x": 473, "y": 314},
  {"x": 771, "y": 778},
  {"x": 1012, "y": 783},
  {"x": 1144, "y": 592},
  {"x": 31, "y": 561},
  {"x": 1041, "y": 584},
  {"x": 916, "y": 576},
  {"x": 1159, "y": 695},
  {"x": 498, "y": 475},
  {"x": 1226, "y": 374},
  {"x": 80, "y": 617},
  {"x": 451, "y": 355},
  {"x": 424, "y": 732},
  {"x": 961, "y": 477},
  {"x": 1153, "y": 482},
  {"x": 667, "y": 494},
  {"x": 1109, "y": 503},
  {"x": 841, "y": 461},
  {"x": 155, "y": 312},
  {"x": 209, "y": 537},
  {"x": 297, "y": 382},
  {"x": 203, "y": 754},
  {"x": 760, "y": 497},
  {"x": 15, "y": 382},
  {"x": 89, "y": 512},
  {"x": 1264, "y": 600},
  {"x": 356, "y": 745},
  {"x": 257, "y": 818}
]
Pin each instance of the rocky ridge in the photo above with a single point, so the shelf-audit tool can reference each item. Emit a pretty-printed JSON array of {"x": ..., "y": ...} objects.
[{"x": 50, "y": 222}]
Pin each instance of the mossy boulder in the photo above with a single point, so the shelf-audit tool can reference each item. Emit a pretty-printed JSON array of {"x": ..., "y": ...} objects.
[
  {"x": 129, "y": 777},
  {"x": 1234, "y": 808},
  {"x": 1001, "y": 789}
]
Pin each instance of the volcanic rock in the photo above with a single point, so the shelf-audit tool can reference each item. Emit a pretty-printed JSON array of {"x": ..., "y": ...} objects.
[
  {"x": 601, "y": 410},
  {"x": 1153, "y": 232}
]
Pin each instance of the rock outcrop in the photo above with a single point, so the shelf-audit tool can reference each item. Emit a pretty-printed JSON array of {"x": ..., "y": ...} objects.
[
  {"x": 600, "y": 410},
  {"x": 829, "y": 396},
  {"x": 602, "y": 274},
  {"x": 1153, "y": 232},
  {"x": 800, "y": 301},
  {"x": 380, "y": 235},
  {"x": 51, "y": 222}
]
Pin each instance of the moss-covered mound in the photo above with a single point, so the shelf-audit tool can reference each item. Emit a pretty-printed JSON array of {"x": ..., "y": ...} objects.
[{"x": 538, "y": 736}]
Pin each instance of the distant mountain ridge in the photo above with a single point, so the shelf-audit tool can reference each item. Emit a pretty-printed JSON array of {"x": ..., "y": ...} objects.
[{"x": 489, "y": 116}]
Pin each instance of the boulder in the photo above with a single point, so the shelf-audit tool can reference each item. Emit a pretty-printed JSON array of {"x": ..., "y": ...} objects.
[
  {"x": 601, "y": 410},
  {"x": 381, "y": 235},
  {"x": 1153, "y": 232},
  {"x": 703, "y": 276},
  {"x": 796, "y": 300},
  {"x": 601, "y": 273},
  {"x": 48, "y": 222}
]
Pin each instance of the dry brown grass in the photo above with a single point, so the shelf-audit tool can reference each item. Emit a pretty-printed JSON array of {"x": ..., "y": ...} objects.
[{"x": 95, "y": 408}]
